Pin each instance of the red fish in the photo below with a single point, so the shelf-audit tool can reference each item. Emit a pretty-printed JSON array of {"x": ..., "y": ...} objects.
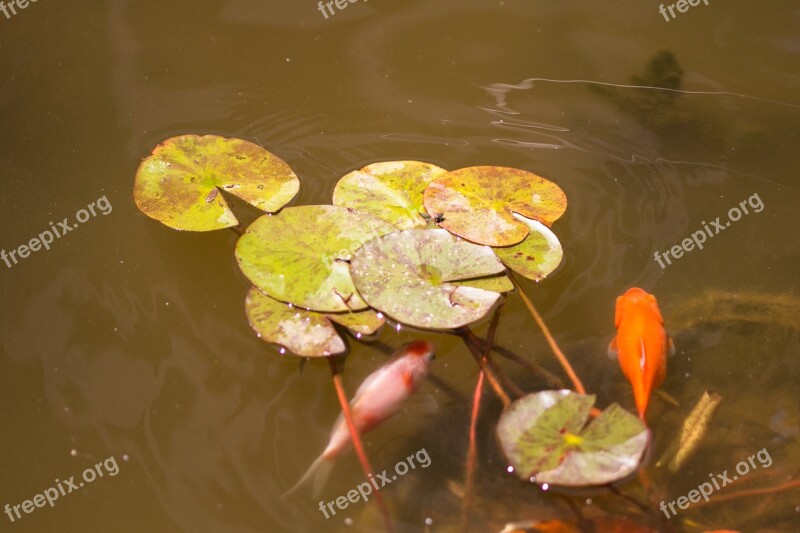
[
  {"x": 377, "y": 399},
  {"x": 641, "y": 344}
]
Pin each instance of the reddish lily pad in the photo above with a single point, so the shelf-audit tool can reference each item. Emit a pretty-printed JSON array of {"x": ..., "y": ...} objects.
[
  {"x": 300, "y": 255},
  {"x": 478, "y": 203},
  {"x": 407, "y": 275},
  {"x": 179, "y": 184},
  {"x": 390, "y": 190},
  {"x": 545, "y": 438}
]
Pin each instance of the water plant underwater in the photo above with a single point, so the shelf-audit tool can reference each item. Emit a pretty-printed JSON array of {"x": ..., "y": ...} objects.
[{"x": 438, "y": 250}]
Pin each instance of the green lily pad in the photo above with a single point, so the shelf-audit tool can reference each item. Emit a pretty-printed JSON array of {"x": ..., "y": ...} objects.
[
  {"x": 302, "y": 332},
  {"x": 496, "y": 283},
  {"x": 359, "y": 323},
  {"x": 179, "y": 184},
  {"x": 391, "y": 191},
  {"x": 300, "y": 255},
  {"x": 478, "y": 203},
  {"x": 544, "y": 438},
  {"x": 535, "y": 257},
  {"x": 407, "y": 275}
]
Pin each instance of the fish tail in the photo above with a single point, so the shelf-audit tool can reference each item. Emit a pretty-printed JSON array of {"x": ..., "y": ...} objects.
[{"x": 318, "y": 474}]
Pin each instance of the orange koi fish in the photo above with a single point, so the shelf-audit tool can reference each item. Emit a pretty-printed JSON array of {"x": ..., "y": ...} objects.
[
  {"x": 377, "y": 399},
  {"x": 641, "y": 344}
]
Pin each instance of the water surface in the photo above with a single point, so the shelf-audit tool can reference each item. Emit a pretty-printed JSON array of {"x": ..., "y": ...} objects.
[{"x": 128, "y": 340}]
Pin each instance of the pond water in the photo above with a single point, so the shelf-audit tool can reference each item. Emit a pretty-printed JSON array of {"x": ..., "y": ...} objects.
[{"x": 125, "y": 344}]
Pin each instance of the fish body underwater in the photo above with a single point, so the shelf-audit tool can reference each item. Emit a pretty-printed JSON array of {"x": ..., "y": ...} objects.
[
  {"x": 377, "y": 399},
  {"x": 641, "y": 344}
]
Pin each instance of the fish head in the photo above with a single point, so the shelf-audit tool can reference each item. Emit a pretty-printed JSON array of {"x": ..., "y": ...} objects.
[
  {"x": 420, "y": 349},
  {"x": 417, "y": 356},
  {"x": 636, "y": 300}
]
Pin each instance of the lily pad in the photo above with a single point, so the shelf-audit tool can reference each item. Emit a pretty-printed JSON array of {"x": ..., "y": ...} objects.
[
  {"x": 478, "y": 203},
  {"x": 359, "y": 323},
  {"x": 179, "y": 184},
  {"x": 300, "y": 255},
  {"x": 302, "y": 332},
  {"x": 544, "y": 438},
  {"x": 407, "y": 275},
  {"x": 390, "y": 190},
  {"x": 535, "y": 257},
  {"x": 496, "y": 283}
]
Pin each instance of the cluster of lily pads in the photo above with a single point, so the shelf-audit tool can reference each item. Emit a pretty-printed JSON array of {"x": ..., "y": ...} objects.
[{"x": 403, "y": 240}]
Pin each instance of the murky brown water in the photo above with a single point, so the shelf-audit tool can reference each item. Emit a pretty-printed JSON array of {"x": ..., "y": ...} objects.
[{"x": 129, "y": 340}]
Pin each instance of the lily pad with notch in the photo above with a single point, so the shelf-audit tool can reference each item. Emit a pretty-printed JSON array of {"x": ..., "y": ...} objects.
[
  {"x": 546, "y": 439},
  {"x": 478, "y": 203},
  {"x": 179, "y": 183}
]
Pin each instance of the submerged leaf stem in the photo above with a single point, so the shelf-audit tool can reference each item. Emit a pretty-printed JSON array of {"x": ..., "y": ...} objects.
[
  {"x": 576, "y": 382},
  {"x": 472, "y": 454}
]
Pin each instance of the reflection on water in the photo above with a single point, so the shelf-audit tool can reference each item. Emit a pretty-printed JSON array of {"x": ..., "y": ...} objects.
[{"x": 130, "y": 339}]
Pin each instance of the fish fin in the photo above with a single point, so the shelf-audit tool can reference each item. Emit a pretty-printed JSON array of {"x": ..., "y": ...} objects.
[
  {"x": 613, "y": 352},
  {"x": 321, "y": 475},
  {"x": 670, "y": 346},
  {"x": 430, "y": 405},
  {"x": 318, "y": 473},
  {"x": 618, "y": 311}
]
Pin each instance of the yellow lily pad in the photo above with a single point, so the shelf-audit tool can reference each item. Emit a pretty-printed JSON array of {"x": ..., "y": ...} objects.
[
  {"x": 300, "y": 255},
  {"x": 535, "y": 257},
  {"x": 496, "y": 283},
  {"x": 179, "y": 184},
  {"x": 359, "y": 323},
  {"x": 390, "y": 190},
  {"x": 478, "y": 203},
  {"x": 304, "y": 333}
]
